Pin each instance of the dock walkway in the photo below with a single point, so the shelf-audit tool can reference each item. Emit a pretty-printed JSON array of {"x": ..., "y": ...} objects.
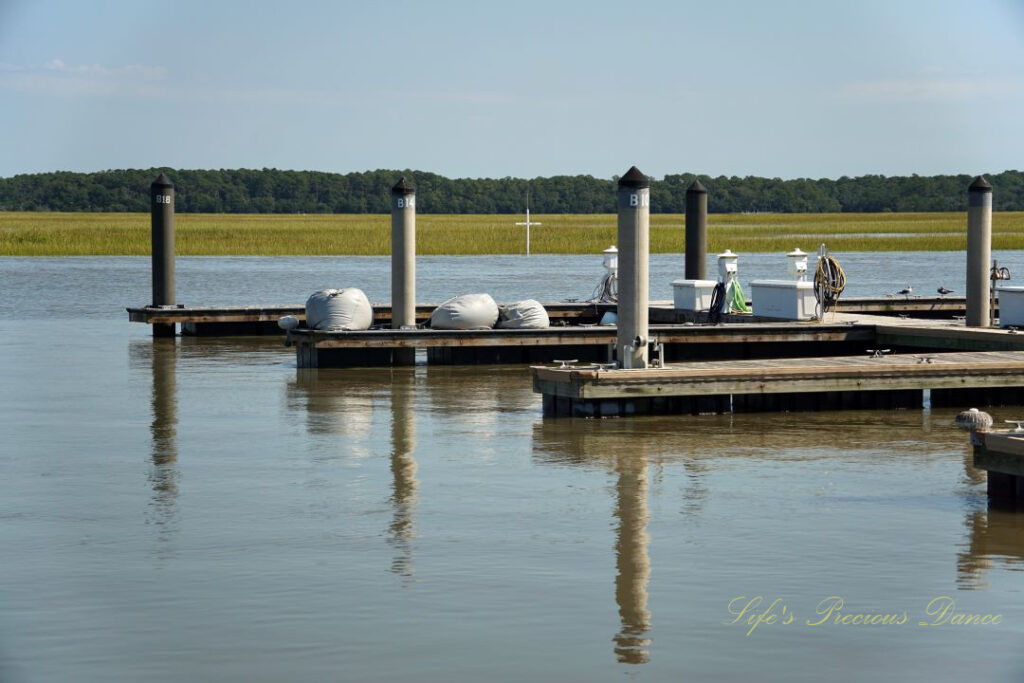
[
  {"x": 585, "y": 342},
  {"x": 261, "y": 320},
  {"x": 885, "y": 381},
  {"x": 256, "y": 320}
]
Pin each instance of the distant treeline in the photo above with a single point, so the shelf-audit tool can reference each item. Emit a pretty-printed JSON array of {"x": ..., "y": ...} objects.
[{"x": 275, "y": 191}]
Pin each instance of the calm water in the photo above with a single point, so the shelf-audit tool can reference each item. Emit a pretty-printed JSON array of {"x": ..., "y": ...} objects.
[{"x": 202, "y": 510}]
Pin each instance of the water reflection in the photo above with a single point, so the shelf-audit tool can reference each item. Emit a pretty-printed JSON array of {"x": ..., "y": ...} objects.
[
  {"x": 403, "y": 469},
  {"x": 992, "y": 535},
  {"x": 698, "y": 442},
  {"x": 339, "y": 402},
  {"x": 632, "y": 563},
  {"x": 476, "y": 397},
  {"x": 632, "y": 449},
  {"x": 163, "y": 476},
  {"x": 972, "y": 475},
  {"x": 626, "y": 448}
]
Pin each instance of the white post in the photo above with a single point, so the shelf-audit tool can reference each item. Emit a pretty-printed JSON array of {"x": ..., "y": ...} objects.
[
  {"x": 403, "y": 264},
  {"x": 528, "y": 223},
  {"x": 820, "y": 286}
]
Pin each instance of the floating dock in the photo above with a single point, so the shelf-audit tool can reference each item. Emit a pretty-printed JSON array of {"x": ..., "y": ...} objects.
[
  {"x": 1001, "y": 455},
  {"x": 594, "y": 343},
  {"x": 885, "y": 381},
  {"x": 225, "y": 321},
  {"x": 893, "y": 363},
  {"x": 589, "y": 343}
]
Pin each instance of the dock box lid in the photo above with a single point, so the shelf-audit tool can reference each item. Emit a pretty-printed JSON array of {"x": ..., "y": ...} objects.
[
  {"x": 694, "y": 283},
  {"x": 783, "y": 284}
]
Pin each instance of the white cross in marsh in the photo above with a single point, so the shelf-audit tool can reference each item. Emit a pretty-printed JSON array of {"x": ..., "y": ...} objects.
[{"x": 528, "y": 223}]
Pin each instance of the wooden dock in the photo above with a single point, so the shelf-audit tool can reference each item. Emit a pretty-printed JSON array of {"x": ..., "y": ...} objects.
[
  {"x": 887, "y": 381},
  {"x": 843, "y": 335},
  {"x": 1001, "y": 455},
  {"x": 594, "y": 343},
  {"x": 223, "y": 321}
]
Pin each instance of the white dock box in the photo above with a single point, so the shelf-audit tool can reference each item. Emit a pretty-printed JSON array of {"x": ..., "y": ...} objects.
[
  {"x": 783, "y": 299},
  {"x": 693, "y": 295},
  {"x": 1011, "y": 306}
]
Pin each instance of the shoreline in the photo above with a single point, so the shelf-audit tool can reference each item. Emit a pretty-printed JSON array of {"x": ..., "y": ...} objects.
[{"x": 128, "y": 234}]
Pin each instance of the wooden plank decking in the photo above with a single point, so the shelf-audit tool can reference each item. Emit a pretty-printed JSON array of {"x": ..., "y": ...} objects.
[
  {"x": 883, "y": 382},
  {"x": 661, "y": 311},
  {"x": 315, "y": 348},
  {"x": 787, "y": 375},
  {"x": 571, "y": 335},
  {"x": 245, "y": 320}
]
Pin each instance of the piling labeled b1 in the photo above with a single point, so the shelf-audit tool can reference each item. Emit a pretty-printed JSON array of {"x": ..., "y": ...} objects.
[
  {"x": 634, "y": 206},
  {"x": 403, "y": 255},
  {"x": 403, "y": 264}
]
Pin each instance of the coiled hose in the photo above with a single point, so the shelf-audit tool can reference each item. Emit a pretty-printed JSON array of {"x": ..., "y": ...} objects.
[
  {"x": 829, "y": 283},
  {"x": 717, "y": 297},
  {"x": 606, "y": 292},
  {"x": 736, "y": 301}
]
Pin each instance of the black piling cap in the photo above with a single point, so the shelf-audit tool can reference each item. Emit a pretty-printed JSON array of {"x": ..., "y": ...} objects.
[
  {"x": 403, "y": 187},
  {"x": 162, "y": 181},
  {"x": 980, "y": 185},
  {"x": 634, "y": 178},
  {"x": 696, "y": 188}
]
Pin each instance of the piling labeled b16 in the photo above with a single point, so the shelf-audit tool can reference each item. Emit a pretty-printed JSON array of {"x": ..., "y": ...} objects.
[{"x": 162, "y": 234}]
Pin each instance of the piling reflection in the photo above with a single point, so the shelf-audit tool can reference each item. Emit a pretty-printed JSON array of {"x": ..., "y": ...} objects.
[
  {"x": 163, "y": 475},
  {"x": 476, "y": 400},
  {"x": 972, "y": 475},
  {"x": 403, "y": 469},
  {"x": 634, "y": 450},
  {"x": 628, "y": 449},
  {"x": 632, "y": 562},
  {"x": 339, "y": 402},
  {"x": 992, "y": 536}
]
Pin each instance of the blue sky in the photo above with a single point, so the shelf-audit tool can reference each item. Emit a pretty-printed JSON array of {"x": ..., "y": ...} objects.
[{"x": 525, "y": 89}]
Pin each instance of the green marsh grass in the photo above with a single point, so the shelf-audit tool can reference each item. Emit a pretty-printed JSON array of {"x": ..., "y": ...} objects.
[{"x": 110, "y": 234}]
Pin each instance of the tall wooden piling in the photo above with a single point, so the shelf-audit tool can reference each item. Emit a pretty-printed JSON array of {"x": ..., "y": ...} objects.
[
  {"x": 979, "y": 251},
  {"x": 403, "y": 264},
  {"x": 634, "y": 206},
  {"x": 696, "y": 231},
  {"x": 162, "y": 235}
]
